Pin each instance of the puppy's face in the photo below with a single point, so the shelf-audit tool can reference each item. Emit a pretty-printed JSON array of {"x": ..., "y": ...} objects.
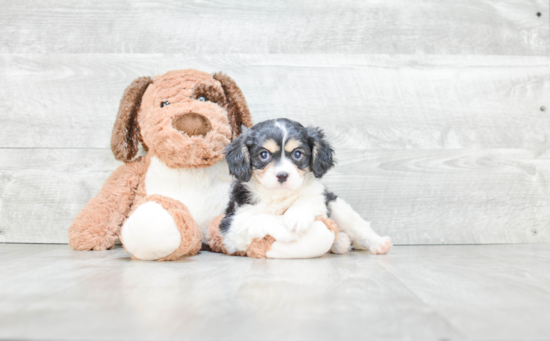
[{"x": 279, "y": 154}]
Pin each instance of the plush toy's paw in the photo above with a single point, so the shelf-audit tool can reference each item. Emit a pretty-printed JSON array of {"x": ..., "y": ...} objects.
[
  {"x": 150, "y": 233},
  {"x": 86, "y": 239},
  {"x": 297, "y": 221},
  {"x": 161, "y": 229},
  {"x": 381, "y": 246},
  {"x": 342, "y": 245}
]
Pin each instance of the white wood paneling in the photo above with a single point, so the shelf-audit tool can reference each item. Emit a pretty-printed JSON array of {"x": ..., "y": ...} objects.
[
  {"x": 42, "y": 190},
  {"x": 415, "y": 196},
  {"x": 460, "y": 196},
  {"x": 491, "y": 27},
  {"x": 367, "y": 101},
  {"x": 434, "y": 107}
]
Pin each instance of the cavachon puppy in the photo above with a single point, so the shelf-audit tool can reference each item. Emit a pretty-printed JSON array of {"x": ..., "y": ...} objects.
[{"x": 277, "y": 165}]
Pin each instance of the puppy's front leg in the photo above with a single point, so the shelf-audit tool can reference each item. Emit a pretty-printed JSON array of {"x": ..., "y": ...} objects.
[
  {"x": 358, "y": 230},
  {"x": 301, "y": 215},
  {"x": 273, "y": 225},
  {"x": 247, "y": 226},
  {"x": 315, "y": 242}
]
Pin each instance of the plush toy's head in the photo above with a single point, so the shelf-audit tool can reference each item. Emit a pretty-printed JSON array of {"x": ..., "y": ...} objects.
[{"x": 185, "y": 118}]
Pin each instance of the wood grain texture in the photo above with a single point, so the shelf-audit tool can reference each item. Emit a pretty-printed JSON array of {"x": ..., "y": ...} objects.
[
  {"x": 487, "y": 27},
  {"x": 481, "y": 292},
  {"x": 434, "y": 107},
  {"x": 363, "y": 101},
  {"x": 41, "y": 191},
  {"x": 497, "y": 292},
  {"x": 209, "y": 297},
  {"x": 449, "y": 196},
  {"x": 414, "y": 196}
]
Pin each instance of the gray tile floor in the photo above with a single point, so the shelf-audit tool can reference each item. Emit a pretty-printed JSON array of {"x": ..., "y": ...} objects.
[{"x": 491, "y": 292}]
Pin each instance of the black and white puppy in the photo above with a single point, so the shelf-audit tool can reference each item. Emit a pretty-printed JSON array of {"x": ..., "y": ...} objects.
[{"x": 277, "y": 165}]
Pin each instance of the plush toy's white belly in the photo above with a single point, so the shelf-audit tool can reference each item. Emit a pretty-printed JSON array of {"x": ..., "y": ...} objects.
[{"x": 205, "y": 191}]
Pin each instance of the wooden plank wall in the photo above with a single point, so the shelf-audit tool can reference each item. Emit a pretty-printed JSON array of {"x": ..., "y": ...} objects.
[{"x": 435, "y": 108}]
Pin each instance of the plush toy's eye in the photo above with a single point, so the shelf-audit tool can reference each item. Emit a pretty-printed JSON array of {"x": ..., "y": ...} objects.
[
  {"x": 163, "y": 104},
  {"x": 264, "y": 156},
  {"x": 297, "y": 155},
  {"x": 202, "y": 99}
]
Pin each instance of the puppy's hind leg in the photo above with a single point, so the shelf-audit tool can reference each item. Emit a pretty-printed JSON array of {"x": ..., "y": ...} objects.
[{"x": 359, "y": 231}]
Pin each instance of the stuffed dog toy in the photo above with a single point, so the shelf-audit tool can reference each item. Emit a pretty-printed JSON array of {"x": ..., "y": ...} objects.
[
  {"x": 277, "y": 196},
  {"x": 160, "y": 204}
]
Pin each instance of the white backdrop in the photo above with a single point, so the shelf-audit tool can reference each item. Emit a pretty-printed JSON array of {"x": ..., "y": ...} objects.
[{"x": 434, "y": 107}]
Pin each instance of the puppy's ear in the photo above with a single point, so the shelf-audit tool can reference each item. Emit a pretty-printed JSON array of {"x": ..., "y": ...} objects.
[
  {"x": 126, "y": 136},
  {"x": 238, "y": 159},
  {"x": 237, "y": 109},
  {"x": 322, "y": 154}
]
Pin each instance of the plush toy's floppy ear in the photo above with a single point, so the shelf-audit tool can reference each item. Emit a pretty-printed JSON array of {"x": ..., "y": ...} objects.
[
  {"x": 238, "y": 159},
  {"x": 237, "y": 108},
  {"x": 321, "y": 152},
  {"x": 126, "y": 136}
]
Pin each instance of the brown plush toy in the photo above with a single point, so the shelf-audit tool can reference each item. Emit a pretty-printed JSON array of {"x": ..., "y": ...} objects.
[{"x": 160, "y": 205}]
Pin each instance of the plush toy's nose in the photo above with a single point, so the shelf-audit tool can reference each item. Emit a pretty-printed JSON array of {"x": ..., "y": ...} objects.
[{"x": 192, "y": 124}]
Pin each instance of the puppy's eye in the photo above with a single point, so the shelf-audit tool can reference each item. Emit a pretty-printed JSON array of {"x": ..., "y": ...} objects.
[
  {"x": 202, "y": 99},
  {"x": 163, "y": 104},
  {"x": 264, "y": 156},
  {"x": 297, "y": 155}
]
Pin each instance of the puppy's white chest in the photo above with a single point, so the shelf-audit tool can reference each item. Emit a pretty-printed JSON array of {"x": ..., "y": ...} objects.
[
  {"x": 277, "y": 205},
  {"x": 205, "y": 191}
]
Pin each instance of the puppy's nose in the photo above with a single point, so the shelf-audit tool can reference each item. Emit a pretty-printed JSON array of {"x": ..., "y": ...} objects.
[
  {"x": 192, "y": 124},
  {"x": 281, "y": 176}
]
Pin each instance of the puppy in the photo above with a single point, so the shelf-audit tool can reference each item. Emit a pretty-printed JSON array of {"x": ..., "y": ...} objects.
[{"x": 277, "y": 165}]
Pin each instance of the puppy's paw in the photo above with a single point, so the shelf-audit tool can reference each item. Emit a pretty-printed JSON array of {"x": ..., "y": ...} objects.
[
  {"x": 297, "y": 220},
  {"x": 382, "y": 246},
  {"x": 283, "y": 235}
]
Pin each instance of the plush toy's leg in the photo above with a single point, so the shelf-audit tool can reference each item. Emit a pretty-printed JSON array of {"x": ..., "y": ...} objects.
[
  {"x": 215, "y": 241},
  {"x": 357, "y": 229},
  {"x": 161, "y": 228},
  {"x": 97, "y": 226},
  {"x": 342, "y": 244}
]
